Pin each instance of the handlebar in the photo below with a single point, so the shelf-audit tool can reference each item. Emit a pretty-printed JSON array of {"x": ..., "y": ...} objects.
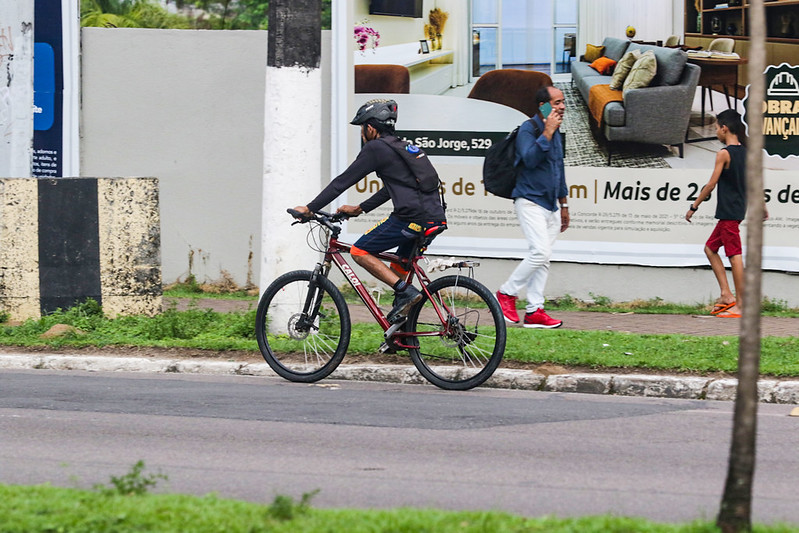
[{"x": 326, "y": 219}]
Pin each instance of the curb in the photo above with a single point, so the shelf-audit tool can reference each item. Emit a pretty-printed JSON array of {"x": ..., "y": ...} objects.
[{"x": 688, "y": 387}]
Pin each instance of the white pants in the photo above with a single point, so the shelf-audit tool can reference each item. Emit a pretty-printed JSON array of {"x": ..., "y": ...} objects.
[{"x": 541, "y": 228}]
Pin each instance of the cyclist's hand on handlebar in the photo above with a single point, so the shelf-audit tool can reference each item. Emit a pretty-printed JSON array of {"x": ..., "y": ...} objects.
[
  {"x": 301, "y": 213},
  {"x": 350, "y": 210}
]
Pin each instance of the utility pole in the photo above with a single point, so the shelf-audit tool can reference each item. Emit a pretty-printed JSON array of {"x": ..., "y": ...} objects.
[
  {"x": 292, "y": 133},
  {"x": 736, "y": 504},
  {"x": 16, "y": 89}
]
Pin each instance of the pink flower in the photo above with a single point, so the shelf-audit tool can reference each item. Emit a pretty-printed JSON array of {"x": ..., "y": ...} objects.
[{"x": 363, "y": 35}]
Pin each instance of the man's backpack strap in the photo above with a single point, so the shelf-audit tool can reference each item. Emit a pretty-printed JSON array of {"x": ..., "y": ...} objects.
[{"x": 418, "y": 164}]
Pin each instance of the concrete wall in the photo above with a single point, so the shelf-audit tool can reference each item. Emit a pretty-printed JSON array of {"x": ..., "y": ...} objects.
[
  {"x": 67, "y": 239},
  {"x": 16, "y": 88},
  {"x": 188, "y": 108}
]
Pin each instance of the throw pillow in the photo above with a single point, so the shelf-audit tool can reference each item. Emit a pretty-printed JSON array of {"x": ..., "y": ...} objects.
[
  {"x": 603, "y": 65},
  {"x": 642, "y": 72},
  {"x": 593, "y": 52},
  {"x": 623, "y": 69}
]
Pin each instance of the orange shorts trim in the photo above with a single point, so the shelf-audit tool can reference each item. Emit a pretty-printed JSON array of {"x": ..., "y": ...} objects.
[
  {"x": 357, "y": 251},
  {"x": 396, "y": 267}
]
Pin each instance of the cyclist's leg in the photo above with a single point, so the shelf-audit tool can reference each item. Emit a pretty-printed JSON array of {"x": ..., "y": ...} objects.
[
  {"x": 380, "y": 238},
  {"x": 388, "y": 234}
]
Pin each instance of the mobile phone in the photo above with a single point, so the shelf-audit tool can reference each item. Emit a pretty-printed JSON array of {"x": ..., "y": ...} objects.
[{"x": 546, "y": 109}]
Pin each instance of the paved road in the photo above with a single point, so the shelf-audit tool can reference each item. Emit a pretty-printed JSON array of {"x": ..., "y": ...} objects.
[{"x": 387, "y": 445}]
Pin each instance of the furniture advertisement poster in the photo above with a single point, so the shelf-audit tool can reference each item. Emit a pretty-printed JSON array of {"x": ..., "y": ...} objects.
[{"x": 631, "y": 212}]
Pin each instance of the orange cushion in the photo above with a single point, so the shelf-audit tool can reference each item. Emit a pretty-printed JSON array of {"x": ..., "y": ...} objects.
[
  {"x": 603, "y": 65},
  {"x": 593, "y": 52}
]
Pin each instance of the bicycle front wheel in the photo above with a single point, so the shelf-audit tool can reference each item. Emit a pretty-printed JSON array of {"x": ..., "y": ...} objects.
[
  {"x": 465, "y": 348},
  {"x": 302, "y": 327}
]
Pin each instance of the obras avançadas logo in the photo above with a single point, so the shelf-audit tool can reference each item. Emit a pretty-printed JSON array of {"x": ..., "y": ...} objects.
[{"x": 780, "y": 111}]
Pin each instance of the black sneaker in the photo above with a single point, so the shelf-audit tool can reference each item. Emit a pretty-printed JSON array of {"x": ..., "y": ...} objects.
[{"x": 403, "y": 301}]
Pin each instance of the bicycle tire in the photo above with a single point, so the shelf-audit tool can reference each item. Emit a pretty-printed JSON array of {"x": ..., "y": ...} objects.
[
  {"x": 303, "y": 354},
  {"x": 472, "y": 351}
]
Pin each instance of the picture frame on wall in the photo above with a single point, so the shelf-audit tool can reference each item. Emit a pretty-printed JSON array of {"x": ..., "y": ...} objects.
[{"x": 424, "y": 48}]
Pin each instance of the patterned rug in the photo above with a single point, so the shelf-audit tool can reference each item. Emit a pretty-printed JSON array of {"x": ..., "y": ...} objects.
[{"x": 583, "y": 150}]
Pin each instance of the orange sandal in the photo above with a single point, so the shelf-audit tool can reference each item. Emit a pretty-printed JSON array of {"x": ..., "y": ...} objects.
[{"x": 720, "y": 308}]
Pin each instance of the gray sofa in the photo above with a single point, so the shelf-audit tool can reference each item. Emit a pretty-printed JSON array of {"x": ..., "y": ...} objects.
[{"x": 657, "y": 114}]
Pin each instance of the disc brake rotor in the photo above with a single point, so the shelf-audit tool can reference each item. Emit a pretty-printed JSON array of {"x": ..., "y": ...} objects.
[{"x": 295, "y": 333}]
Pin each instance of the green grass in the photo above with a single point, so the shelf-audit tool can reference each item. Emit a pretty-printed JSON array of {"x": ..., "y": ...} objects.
[
  {"x": 193, "y": 328},
  {"x": 206, "y": 329},
  {"x": 43, "y": 508},
  {"x": 194, "y": 291},
  {"x": 211, "y": 330}
]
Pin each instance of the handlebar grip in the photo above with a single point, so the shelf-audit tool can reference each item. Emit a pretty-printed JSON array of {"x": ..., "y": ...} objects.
[{"x": 300, "y": 218}]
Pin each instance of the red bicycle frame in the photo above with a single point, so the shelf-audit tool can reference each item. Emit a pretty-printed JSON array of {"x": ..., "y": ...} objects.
[{"x": 334, "y": 254}]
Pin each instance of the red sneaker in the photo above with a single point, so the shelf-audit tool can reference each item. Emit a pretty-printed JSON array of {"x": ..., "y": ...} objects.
[
  {"x": 508, "y": 305},
  {"x": 540, "y": 319}
]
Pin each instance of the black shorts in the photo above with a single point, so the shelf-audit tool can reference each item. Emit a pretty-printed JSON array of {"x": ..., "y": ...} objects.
[{"x": 389, "y": 233}]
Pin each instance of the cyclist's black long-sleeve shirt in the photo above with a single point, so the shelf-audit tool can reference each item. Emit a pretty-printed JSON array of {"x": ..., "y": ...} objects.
[{"x": 399, "y": 185}]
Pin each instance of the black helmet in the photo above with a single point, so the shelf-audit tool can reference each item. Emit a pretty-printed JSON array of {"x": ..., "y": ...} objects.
[{"x": 383, "y": 111}]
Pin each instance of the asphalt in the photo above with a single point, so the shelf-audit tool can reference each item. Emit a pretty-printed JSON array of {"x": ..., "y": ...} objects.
[{"x": 545, "y": 378}]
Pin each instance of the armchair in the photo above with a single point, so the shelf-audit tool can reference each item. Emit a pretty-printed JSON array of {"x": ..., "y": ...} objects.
[
  {"x": 382, "y": 79},
  {"x": 511, "y": 87}
]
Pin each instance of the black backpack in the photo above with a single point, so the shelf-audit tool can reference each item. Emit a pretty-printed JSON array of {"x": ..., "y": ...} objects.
[
  {"x": 499, "y": 167},
  {"x": 416, "y": 160}
]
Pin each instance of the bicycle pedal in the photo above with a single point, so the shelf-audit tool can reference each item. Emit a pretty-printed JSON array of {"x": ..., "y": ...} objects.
[
  {"x": 395, "y": 327},
  {"x": 386, "y": 348}
]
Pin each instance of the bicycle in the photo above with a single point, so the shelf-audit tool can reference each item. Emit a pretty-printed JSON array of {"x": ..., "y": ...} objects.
[{"x": 455, "y": 335}]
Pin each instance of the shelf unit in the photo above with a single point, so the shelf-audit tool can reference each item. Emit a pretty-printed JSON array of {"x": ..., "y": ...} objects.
[
  {"x": 782, "y": 44},
  {"x": 782, "y": 19},
  {"x": 430, "y": 73}
]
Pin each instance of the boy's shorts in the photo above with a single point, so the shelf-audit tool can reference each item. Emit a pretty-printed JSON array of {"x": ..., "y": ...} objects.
[
  {"x": 727, "y": 234},
  {"x": 389, "y": 233}
]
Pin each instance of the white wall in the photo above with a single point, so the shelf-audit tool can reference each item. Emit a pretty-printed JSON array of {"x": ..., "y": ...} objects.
[
  {"x": 188, "y": 108},
  {"x": 16, "y": 89},
  {"x": 393, "y": 30},
  {"x": 652, "y": 19}
]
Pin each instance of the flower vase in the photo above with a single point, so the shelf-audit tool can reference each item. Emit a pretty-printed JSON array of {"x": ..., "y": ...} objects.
[{"x": 438, "y": 42}]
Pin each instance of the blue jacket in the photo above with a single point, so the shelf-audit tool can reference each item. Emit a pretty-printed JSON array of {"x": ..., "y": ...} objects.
[{"x": 542, "y": 178}]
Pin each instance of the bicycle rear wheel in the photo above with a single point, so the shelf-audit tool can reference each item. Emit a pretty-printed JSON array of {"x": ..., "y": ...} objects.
[
  {"x": 468, "y": 348},
  {"x": 303, "y": 329}
]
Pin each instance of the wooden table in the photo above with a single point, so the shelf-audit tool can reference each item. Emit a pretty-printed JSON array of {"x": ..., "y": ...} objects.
[{"x": 715, "y": 71}]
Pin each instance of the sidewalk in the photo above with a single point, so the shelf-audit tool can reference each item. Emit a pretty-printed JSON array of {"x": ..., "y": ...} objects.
[
  {"x": 584, "y": 320},
  {"x": 549, "y": 378}
]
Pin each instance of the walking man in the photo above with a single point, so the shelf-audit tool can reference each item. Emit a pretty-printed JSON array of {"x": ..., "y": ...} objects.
[{"x": 540, "y": 199}]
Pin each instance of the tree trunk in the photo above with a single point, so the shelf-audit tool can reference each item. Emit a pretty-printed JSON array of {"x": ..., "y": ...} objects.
[
  {"x": 736, "y": 504},
  {"x": 292, "y": 133}
]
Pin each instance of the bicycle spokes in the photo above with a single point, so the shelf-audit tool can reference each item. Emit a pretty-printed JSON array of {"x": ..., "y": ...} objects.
[
  {"x": 458, "y": 336},
  {"x": 302, "y": 328}
]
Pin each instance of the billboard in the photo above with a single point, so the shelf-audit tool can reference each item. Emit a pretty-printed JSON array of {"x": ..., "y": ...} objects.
[
  {"x": 631, "y": 212},
  {"x": 55, "y": 89}
]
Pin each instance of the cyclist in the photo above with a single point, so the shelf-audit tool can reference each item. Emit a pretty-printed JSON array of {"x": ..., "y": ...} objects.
[{"x": 409, "y": 181}]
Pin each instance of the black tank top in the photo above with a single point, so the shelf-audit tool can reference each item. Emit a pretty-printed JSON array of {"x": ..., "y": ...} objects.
[{"x": 731, "y": 201}]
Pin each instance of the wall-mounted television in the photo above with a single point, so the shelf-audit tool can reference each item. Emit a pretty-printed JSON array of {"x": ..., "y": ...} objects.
[{"x": 396, "y": 8}]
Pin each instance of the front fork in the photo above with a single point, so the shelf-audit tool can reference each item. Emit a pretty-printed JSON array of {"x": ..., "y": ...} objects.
[{"x": 313, "y": 299}]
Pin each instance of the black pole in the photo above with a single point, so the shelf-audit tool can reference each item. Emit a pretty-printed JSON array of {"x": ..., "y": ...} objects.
[{"x": 295, "y": 33}]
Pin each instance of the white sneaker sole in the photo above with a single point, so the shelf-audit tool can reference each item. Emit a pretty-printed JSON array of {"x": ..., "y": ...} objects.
[
  {"x": 542, "y": 326},
  {"x": 508, "y": 320}
]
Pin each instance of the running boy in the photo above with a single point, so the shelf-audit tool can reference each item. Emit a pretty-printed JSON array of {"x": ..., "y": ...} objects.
[{"x": 730, "y": 175}]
